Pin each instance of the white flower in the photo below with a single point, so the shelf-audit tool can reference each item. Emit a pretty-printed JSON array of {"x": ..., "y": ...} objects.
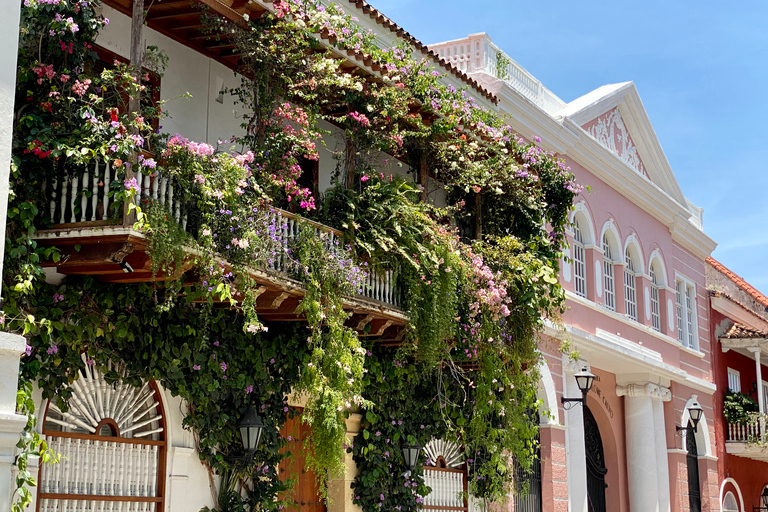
[{"x": 358, "y": 86}]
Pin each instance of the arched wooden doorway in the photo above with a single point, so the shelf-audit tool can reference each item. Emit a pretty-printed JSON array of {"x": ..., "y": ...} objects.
[
  {"x": 113, "y": 446},
  {"x": 692, "y": 460},
  {"x": 596, "y": 469}
]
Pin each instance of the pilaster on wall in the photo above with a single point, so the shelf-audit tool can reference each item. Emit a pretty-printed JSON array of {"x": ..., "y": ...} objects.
[
  {"x": 554, "y": 468},
  {"x": 340, "y": 489},
  {"x": 574, "y": 441},
  {"x": 11, "y": 424},
  {"x": 647, "y": 468}
]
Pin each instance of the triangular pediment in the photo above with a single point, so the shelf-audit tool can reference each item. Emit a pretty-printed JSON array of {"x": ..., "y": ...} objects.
[{"x": 615, "y": 117}]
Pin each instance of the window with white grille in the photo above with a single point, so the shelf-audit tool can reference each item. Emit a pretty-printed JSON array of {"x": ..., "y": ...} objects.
[
  {"x": 112, "y": 444},
  {"x": 579, "y": 262},
  {"x": 655, "y": 309},
  {"x": 630, "y": 291},
  {"x": 685, "y": 294},
  {"x": 734, "y": 380},
  {"x": 609, "y": 290}
]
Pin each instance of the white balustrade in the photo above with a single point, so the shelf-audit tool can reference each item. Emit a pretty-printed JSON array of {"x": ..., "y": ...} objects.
[
  {"x": 94, "y": 467},
  {"x": 744, "y": 432},
  {"x": 82, "y": 197},
  {"x": 477, "y": 53},
  {"x": 85, "y": 198},
  {"x": 448, "y": 487}
]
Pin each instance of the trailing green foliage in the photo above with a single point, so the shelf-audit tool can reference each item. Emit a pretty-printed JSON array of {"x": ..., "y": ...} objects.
[
  {"x": 476, "y": 290},
  {"x": 739, "y": 407}
]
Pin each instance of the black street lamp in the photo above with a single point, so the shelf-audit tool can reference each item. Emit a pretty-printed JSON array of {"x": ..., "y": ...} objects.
[
  {"x": 251, "y": 428},
  {"x": 411, "y": 456},
  {"x": 764, "y": 497},
  {"x": 694, "y": 411},
  {"x": 584, "y": 380}
]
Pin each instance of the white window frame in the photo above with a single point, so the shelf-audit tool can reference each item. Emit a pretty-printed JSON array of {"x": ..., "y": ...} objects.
[
  {"x": 729, "y": 500},
  {"x": 765, "y": 396},
  {"x": 630, "y": 288},
  {"x": 686, "y": 312},
  {"x": 655, "y": 303},
  {"x": 609, "y": 289},
  {"x": 734, "y": 380},
  {"x": 579, "y": 262}
]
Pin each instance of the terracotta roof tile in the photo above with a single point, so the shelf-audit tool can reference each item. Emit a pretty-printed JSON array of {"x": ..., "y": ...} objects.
[
  {"x": 738, "y": 281},
  {"x": 738, "y": 331}
]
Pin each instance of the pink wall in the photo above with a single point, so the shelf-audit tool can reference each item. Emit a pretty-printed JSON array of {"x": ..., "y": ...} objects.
[{"x": 603, "y": 204}]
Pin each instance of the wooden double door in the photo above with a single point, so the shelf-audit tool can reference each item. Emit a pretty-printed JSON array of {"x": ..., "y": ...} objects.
[{"x": 305, "y": 494}]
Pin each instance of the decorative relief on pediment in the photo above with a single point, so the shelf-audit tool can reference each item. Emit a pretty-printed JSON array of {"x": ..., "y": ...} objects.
[{"x": 609, "y": 130}]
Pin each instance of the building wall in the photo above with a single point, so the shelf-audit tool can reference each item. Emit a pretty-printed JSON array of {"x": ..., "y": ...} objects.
[
  {"x": 201, "y": 117},
  {"x": 747, "y": 475}
]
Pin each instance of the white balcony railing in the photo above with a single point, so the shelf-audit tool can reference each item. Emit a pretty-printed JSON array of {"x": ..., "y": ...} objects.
[
  {"x": 82, "y": 199},
  {"x": 477, "y": 53},
  {"x": 752, "y": 431}
]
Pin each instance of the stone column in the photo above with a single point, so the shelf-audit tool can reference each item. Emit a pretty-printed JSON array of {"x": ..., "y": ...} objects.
[
  {"x": 11, "y": 424},
  {"x": 642, "y": 447},
  {"x": 662, "y": 463},
  {"x": 576, "y": 455},
  {"x": 340, "y": 489},
  {"x": 760, "y": 398}
]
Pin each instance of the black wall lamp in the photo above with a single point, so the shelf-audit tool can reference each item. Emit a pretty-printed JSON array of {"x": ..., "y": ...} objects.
[
  {"x": 251, "y": 428},
  {"x": 411, "y": 456},
  {"x": 694, "y": 411},
  {"x": 584, "y": 380}
]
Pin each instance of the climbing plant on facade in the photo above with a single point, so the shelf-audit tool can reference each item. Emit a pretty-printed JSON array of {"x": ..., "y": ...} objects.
[{"x": 476, "y": 300}]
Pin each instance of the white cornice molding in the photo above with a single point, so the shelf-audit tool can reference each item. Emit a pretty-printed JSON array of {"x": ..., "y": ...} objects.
[{"x": 631, "y": 353}]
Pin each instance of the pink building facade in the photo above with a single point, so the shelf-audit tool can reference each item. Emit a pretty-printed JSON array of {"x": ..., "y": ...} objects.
[{"x": 638, "y": 312}]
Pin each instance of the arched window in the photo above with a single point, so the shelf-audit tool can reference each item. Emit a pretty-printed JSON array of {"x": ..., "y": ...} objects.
[
  {"x": 579, "y": 261},
  {"x": 608, "y": 285},
  {"x": 729, "y": 503},
  {"x": 655, "y": 309},
  {"x": 113, "y": 446},
  {"x": 630, "y": 292},
  {"x": 446, "y": 474}
]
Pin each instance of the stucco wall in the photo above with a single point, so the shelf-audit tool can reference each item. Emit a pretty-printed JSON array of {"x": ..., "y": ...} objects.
[{"x": 199, "y": 118}]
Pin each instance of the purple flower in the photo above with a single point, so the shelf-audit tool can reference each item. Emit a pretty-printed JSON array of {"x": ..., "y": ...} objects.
[
  {"x": 381, "y": 497},
  {"x": 132, "y": 184},
  {"x": 53, "y": 349},
  {"x": 249, "y": 389},
  {"x": 196, "y": 367},
  {"x": 28, "y": 350},
  {"x": 223, "y": 366},
  {"x": 215, "y": 343}
]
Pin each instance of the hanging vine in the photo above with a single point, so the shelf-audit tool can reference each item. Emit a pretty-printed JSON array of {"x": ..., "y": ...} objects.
[{"x": 476, "y": 298}]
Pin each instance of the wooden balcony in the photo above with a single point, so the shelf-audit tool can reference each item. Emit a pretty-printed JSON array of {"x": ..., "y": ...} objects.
[
  {"x": 96, "y": 237},
  {"x": 748, "y": 439}
]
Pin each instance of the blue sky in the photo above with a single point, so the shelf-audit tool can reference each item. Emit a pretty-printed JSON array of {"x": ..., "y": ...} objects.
[{"x": 701, "y": 71}]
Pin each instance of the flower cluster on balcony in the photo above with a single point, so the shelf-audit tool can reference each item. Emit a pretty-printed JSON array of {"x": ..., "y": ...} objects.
[{"x": 475, "y": 298}]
